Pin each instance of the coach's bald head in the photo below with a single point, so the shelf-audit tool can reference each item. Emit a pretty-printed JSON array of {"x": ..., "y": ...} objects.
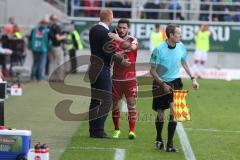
[{"x": 106, "y": 16}]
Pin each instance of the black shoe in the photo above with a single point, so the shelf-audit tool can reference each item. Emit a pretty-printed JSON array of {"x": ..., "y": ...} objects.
[
  {"x": 159, "y": 145},
  {"x": 171, "y": 149},
  {"x": 103, "y": 135}
]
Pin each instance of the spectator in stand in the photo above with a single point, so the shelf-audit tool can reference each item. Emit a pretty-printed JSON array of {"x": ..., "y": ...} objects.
[
  {"x": 128, "y": 4},
  {"x": 152, "y": 5},
  {"x": 119, "y": 4},
  {"x": 71, "y": 4},
  {"x": 224, "y": 8},
  {"x": 76, "y": 3},
  {"x": 215, "y": 8},
  {"x": 205, "y": 6},
  {"x": 227, "y": 9},
  {"x": 91, "y": 3},
  {"x": 237, "y": 15},
  {"x": 218, "y": 6},
  {"x": 175, "y": 10}
]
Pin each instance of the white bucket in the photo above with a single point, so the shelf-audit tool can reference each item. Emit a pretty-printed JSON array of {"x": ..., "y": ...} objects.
[{"x": 37, "y": 156}]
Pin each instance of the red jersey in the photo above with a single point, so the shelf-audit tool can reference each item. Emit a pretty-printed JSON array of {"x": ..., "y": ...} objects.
[{"x": 122, "y": 72}]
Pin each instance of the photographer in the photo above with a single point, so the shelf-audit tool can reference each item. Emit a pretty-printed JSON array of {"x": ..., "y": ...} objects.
[{"x": 56, "y": 54}]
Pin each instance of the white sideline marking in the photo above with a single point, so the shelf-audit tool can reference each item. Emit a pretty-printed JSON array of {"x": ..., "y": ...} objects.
[
  {"x": 90, "y": 148},
  {"x": 119, "y": 154},
  {"x": 211, "y": 130},
  {"x": 187, "y": 149}
]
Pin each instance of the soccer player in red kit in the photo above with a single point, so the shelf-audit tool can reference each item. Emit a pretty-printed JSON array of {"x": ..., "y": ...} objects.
[{"x": 124, "y": 78}]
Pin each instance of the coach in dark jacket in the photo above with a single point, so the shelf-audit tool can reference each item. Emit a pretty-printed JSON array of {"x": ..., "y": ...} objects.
[{"x": 99, "y": 74}]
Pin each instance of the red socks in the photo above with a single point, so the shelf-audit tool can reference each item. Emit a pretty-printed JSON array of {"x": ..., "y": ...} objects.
[
  {"x": 132, "y": 118},
  {"x": 116, "y": 118}
]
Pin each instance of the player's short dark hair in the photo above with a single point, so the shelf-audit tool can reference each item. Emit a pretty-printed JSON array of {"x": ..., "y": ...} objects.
[
  {"x": 171, "y": 29},
  {"x": 124, "y": 20}
]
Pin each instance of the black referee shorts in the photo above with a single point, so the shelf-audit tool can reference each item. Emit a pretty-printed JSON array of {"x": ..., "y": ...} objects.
[{"x": 160, "y": 101}]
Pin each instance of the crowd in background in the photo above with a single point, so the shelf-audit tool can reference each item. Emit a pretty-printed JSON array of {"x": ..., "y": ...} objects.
[
  {"x": 224, "y": 6},
  {"x": 49, "y": 42},
  {"x": 222, "y": 10},
  {"x": 209, "y": 10},
  {"x": 14, "y": 43}
]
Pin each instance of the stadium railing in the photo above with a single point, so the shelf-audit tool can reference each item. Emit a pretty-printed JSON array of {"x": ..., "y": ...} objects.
[{"x": 190, "y": 10}]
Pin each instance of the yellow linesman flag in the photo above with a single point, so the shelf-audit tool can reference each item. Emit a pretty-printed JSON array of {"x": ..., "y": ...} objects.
[{"x": 181, "y": 109}]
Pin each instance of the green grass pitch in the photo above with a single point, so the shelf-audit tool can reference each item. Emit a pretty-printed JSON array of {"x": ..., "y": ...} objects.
[{"x": 213, "y": 131}]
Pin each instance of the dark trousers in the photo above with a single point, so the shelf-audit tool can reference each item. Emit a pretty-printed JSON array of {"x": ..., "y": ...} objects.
[
  {"x": 72, "y": 54},
  {"x": 101, "y": 100}
]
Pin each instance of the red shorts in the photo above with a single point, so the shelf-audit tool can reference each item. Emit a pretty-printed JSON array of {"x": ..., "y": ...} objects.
[{"x": 127, "y": 88}]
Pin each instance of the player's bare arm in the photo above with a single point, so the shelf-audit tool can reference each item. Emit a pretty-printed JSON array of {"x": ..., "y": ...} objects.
[
  {"x": 125, "y": 44},
  {"x": 120, "y": 59}
]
